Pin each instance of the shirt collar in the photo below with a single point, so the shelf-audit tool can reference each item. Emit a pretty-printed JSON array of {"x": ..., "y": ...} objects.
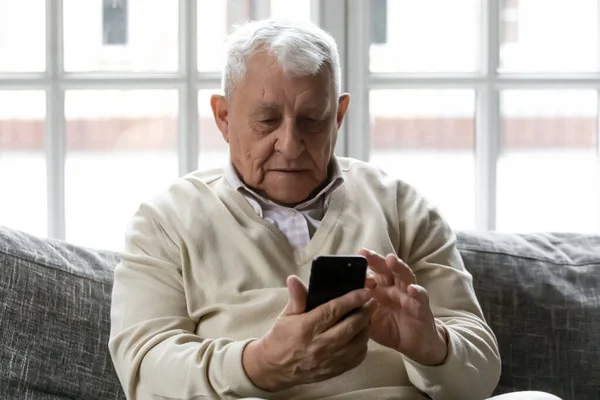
[{"x": 335, "y": 179}]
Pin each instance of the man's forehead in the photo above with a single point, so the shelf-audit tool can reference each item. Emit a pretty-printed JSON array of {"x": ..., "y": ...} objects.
[
  {"x": 266, "y": 106},
  {"x": 275, "y": 86},
  {"x": 317, "y": 104}
]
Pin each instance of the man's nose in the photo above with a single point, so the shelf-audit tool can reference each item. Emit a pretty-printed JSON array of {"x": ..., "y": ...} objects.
[{"x": 289, "y": 141}]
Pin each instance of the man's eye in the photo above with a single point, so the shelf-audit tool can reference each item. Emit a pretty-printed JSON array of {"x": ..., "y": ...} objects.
[
  {"x": 311, "y": 124},
  {"x": 268, "y": 121},
  {"x": 310, "y": 121}
]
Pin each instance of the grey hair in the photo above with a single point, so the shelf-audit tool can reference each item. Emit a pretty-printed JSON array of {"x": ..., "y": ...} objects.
[{"x": 301, "y": 48}]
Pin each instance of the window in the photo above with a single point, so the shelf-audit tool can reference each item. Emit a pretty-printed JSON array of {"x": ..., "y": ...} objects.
[
  {"x": 120, "y": 35},
  {"x": 484, "y": 106},
  {"x": 547, "y": 167},
  {"x": 427, "y": 36},
  {"x": 499, "y": 133},
  {"x": 427, "y": 137},
  {"x": 556, "y": 36},
  {"x": 22, "y": 160},
  {"x": 16, "y": 36},
  {"x": 121, "y": 147}
]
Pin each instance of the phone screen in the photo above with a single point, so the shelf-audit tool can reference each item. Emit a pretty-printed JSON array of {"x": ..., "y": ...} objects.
[{"x": 334, "y": 276}]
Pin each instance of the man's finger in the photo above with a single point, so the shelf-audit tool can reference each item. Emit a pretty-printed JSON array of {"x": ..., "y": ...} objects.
[
  {"x": 297, "y": 301},
  {"x": 370, "y": 282},
  {"x": 390, "y": 296},
  {"x": 400, "y": 270},
  {"x": 342, "y": 333},
  {"x": 378, "y": 265},
  {"x": 419, "y": 293},
  {"x": 415, "y": 301},
  {"x": 328, "y": 314},
  {"x": 383, "y": 281}
]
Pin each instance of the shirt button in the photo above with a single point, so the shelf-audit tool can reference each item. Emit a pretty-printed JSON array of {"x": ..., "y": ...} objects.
[{"x": 293, "y": 213}]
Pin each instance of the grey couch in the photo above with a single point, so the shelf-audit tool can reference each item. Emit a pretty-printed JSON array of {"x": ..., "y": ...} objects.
[{"x": 540, "y": 294}]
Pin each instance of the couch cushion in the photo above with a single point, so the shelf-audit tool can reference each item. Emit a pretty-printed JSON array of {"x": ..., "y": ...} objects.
[
  {"x": 541, "y": 295},
  {"x": 54, "y": 320}
]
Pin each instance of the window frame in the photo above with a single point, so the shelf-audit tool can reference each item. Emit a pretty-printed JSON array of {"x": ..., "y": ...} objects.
[{"x": 348, "y": 22}]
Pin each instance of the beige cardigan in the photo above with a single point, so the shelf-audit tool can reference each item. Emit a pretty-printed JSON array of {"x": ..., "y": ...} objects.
[{"x": 202, "y": 274}]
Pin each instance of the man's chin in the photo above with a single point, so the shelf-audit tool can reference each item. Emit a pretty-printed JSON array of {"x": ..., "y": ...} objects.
[
  {"x": 285, "y": 199},
  {"x": 288, "y": 195},
  {"x": 289, "y": 189}
]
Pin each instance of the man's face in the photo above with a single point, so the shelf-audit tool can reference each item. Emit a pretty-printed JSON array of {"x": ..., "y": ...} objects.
[{"x": 281, "y": 130}]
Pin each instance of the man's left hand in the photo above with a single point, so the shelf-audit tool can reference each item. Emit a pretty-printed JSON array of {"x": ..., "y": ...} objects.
[{"x": 400, "y": 316}]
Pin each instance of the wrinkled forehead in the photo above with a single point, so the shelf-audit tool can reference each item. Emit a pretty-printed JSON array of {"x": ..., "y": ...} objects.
[{"x": 266, "y": 81}]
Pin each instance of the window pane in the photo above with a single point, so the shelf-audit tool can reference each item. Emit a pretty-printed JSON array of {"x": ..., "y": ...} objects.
[
  {"x": 426, "y": 138},
  {"x": 549, "y": 36},
  {"x": 121, "y": 35},
  {"x": 547, "y": 177},
  {"x": 23, "y": 161},
  {"x": 214, "y": 151},
  {"x": 22, "y": 35},
  {"x": 121, "y": 149},
  {"x": 425, "y": 35},
  {"x": 215, "y": 19}
]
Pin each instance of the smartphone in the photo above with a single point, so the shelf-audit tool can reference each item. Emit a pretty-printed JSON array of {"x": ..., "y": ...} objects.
[{"x": 334, "y": 276}]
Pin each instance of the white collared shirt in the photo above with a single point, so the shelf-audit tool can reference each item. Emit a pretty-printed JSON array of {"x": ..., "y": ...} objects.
[{"x": 297, "y": 223}]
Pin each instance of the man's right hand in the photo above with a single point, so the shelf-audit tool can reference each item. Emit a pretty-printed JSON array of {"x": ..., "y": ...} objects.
[{"x": 303, "y": 348}]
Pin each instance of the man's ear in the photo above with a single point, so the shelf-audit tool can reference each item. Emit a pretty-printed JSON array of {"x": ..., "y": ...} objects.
[
  {"x": 343, "y": 103},
  {"x": 219, "y": 106}
]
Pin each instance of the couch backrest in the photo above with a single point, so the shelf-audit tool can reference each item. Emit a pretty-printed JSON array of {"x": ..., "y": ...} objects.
[
  {"x": 539, "y": 293},
  {"x": 54, "y": 320}
]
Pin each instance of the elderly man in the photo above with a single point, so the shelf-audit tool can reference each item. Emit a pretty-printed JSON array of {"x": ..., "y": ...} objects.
[{"x": 209, "y": 299}]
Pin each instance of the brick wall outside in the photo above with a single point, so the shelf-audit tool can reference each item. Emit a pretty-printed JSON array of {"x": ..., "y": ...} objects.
[{"x": 444, "y": 134}]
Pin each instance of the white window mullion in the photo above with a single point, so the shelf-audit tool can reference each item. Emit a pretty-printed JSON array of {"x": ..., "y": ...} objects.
[
  {"x": 55, "y": 117},
  {"x": 425, "y": 81},
  {"x": 188, "y": 95},
  {"x": 357, "y": 74},
  {"x": 331, "y": 16},
  {"x": 487, "y": 148},
  {"x": 315, "y": 13},
  {"x": 598, "y": 163},
  {"x": 598, "y": 141},
  {"x": 209, "y": 80},
  {"x": 261, "y": 9},
  {"x": 486, "y": 153},
  {"x": 23, "y": 81},
  {"x": 118, "y": 81}
]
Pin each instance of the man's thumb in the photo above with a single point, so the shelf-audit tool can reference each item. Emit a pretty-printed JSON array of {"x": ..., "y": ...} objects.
[{"x": 297, "y": 302}]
